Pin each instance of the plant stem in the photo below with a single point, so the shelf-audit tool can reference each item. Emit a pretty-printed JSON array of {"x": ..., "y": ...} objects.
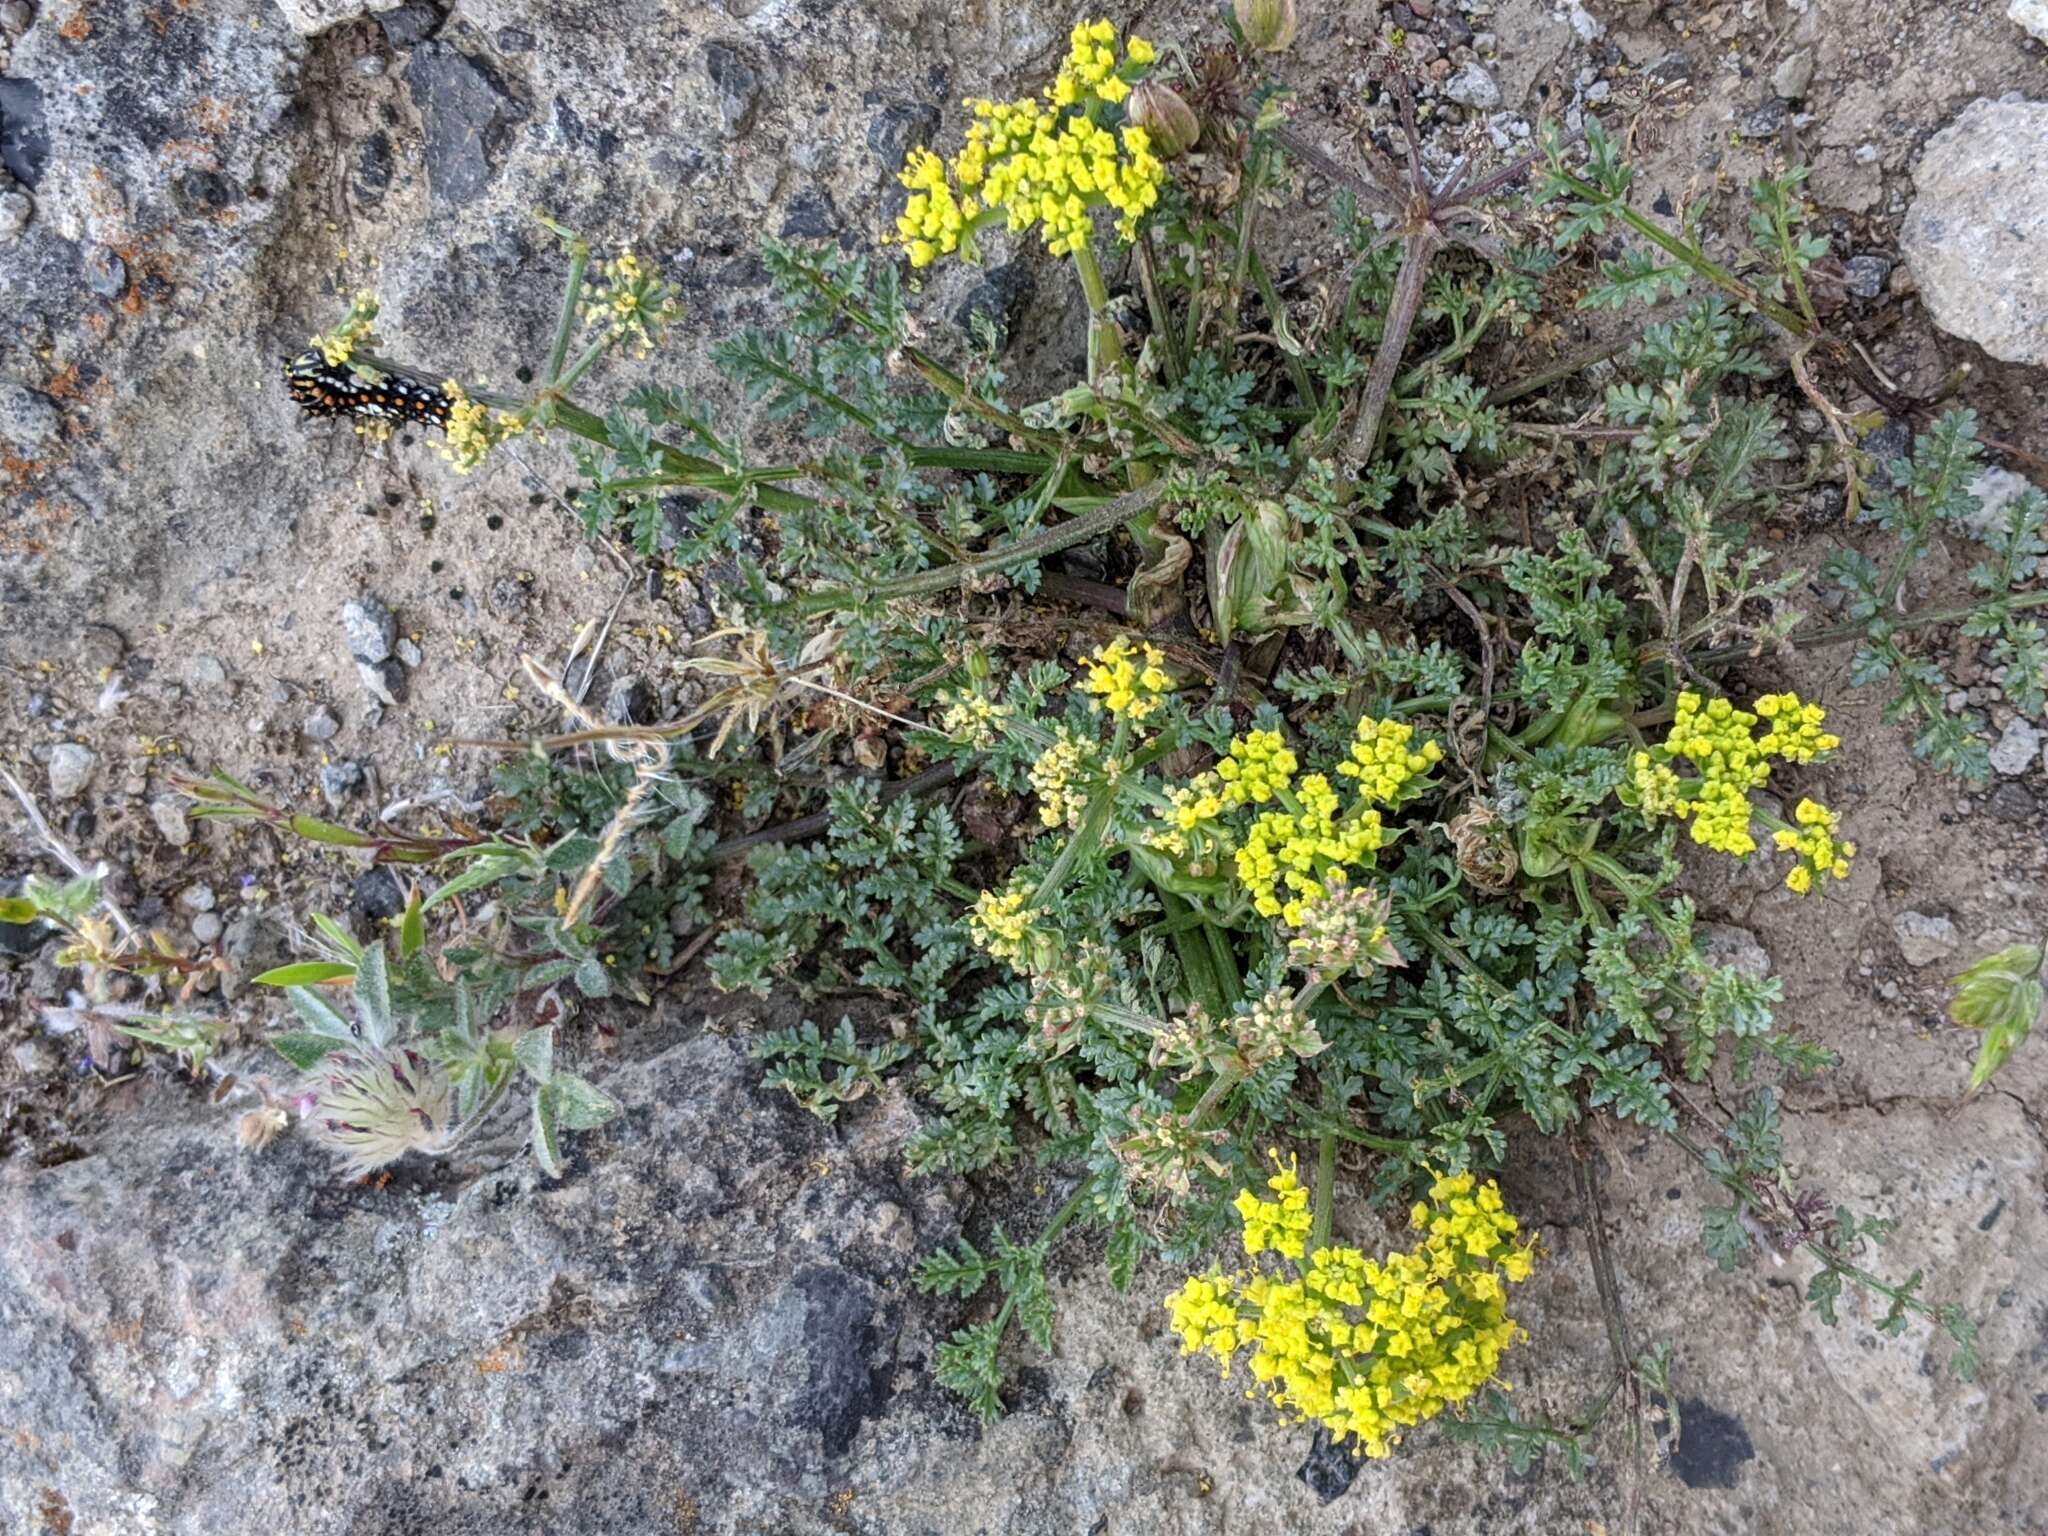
[
  {"x": 565, "y": 331},
  {"x": 1076, "y": 530},
  {"x": 1418, "y": 249}
]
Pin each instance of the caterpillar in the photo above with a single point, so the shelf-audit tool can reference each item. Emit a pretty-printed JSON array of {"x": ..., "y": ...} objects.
[{"x": 323, "y": 389}]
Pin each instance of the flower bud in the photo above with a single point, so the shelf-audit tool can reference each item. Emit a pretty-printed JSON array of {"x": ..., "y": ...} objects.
[
  {"x": 1159, "y": 110},
  {"x": 1268, "y": 25}
]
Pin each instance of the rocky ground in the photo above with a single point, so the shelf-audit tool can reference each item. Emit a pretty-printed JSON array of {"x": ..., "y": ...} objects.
[{"x": 708, "y": 1324}]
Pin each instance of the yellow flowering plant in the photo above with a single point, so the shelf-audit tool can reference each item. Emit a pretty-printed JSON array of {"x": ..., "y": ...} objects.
[{"x": 1201, "y": 756}]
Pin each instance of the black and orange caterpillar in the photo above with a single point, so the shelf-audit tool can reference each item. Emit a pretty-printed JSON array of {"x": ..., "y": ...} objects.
[{"x": 326, "y": 389}]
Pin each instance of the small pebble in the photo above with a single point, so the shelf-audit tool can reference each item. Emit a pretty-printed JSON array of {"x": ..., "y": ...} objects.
[
  {"x": 71, "y": 769},
  {"x": 408, "y": 653},
  {"x": 1473, "y": 87},
  {"x": 339, "y": 782},
  {"x": 33, "y": 1058},
  {"x": 168, "y": 812},
  {"x": 369, "y": 628},
  {"x": 320, "y": 725},
  {"x": 2016, "y": 748},
  {"x": 1866, "y": 275},
  {"x": 15, "y": 15},
  {"x": 206, "y": 672},
  {"x": 198, "y": 897},
  {"x": 16, "y": 209},
  {"x": 206, "y": 927}
]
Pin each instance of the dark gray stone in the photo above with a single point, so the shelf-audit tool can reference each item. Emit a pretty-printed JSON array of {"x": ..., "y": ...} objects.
[
  {"x": 410, "y": 24},
  {"x": 900, "y": 127},
  {"x": 469, "y": 115},
  {"x": 1712, "y": 1446},
  {"x": 1866, "y": 275},
  {"x": 340, "y": 782},
  {"x": 738, "y": 84},
  {"x": 377, "y": 895},
  {"x": 28, "y": 420},
  {"x": 24, "y": 132}
]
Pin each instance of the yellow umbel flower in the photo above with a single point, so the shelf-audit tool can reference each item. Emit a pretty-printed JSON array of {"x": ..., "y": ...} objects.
[
  {"x": 1729, "y": 761},
  {"x": 1057, "y": 777},
  {"x": 473, "y": 429},
  {"x": 1822, "y": 856},
  {"x": 1048, "y": 163},
  {"x": 1383, "y": 763},
  {"x": 1188, "y": 819},
  {"x": 1258, "y": 767},
  {"x": 1301, "y": 851},
  {"x": 1366, "y": 1349},
  {"x": 972, "y": 717},
  {"x": 356, "y": 330},
  {"x": 1130, "y": 682},
  {"x": 1001, "y": 924},
  {"x": 628, "y": 303}
]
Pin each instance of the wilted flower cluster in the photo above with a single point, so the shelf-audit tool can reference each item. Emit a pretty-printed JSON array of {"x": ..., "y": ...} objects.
[
  {"x": 1257, "y": 1031},
  {"x": 1366, "y": 1349},
  {"x": 1059, "y": 778},
  {"x": 1729, "y": 760},
  {"x": 372, "y": 1108},
  {"x": 1046, "y": 162},
  {"x": 1343, "y": 932}
]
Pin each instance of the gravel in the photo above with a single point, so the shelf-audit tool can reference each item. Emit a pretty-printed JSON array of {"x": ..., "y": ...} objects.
[
  {"x": 369, "y": 628},
  {"x": 1473, "y": 87},
  {"x": 71, "y": 769},
  {"x": 168, "y": 812},
  {"x": 320, "y": 725},
  {"x": 1924, "y": 937},
  {"x": 2016, "y": 748},
  {"x": 339, "y": 783}
]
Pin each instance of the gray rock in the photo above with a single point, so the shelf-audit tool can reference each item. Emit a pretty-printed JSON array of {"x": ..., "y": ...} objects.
[
  {"x": 206, "y": 672},
  {"x": 738, "y": 85},
  {"x": 1766, "y": 120},
  {"x": 1473, "y": 87},
  {"x": 198, "y": 897},
  {"x": 1736, "y": 948},
  {"x": 168, "y": 812},
  {"x": 377, "y": 895},
  {"x": 900, "y": 127},
  {"x": 309, "y": 18},
  {"x": 320, "y": 725},
  {"x": 469, "y": 116},
  {"x": 206, "y": 927},
  {"x": 1996, "y": 489},
  {"x": 384, "y": 680},
  {"x": 339, "y": 783},
  {"x": 2011, "y": 801},
  {"x": 369, "y": 628},
  {"x": 1866, "y": 275},
  {"x": 15, "y": 15},
  {"x": 1793, "y": 75},
  {"x": 252, "y": 944},
  {"x": 32, "y": 1058},
  {"x": 410, "y": 23},
  {"x": 2032, "y": 15},
  {"x": 16, "y": 209},
  {"x": 71, "y": 768},
  {"x": 2016, "y": 748},
  {"x": 407, "y": 652},
  {"x": 28, "y": 420},
  {"x": 1976, "y": 234},
  {"x": 106, "y": 274},
  {"x": 1924, "y": 937}
]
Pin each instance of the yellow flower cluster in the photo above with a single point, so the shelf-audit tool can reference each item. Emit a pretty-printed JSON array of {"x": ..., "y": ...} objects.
[
  {"x": 1729, "y": 760},
  {"x": 1056, "y": 775},
  {"x": 1302, "y": 850},
  {"x": 1383, "y": 764},
  {"x": 972, "y": 717},
  {"x": 630, "y": 304},
  {"x": 1190, "y": 808},
  {"x": 1258, "y": 767},
  {"x": 473, "y": 429},
  {"x": 1822, "y": 856},
  {"x": 1127, "y": 680},
  {"x": 1366, "y": 1349},
  {"x": 1040, "y": 162},
  {"x": 1002, "y": 925},
  {"x": 339, "y": 345}
]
